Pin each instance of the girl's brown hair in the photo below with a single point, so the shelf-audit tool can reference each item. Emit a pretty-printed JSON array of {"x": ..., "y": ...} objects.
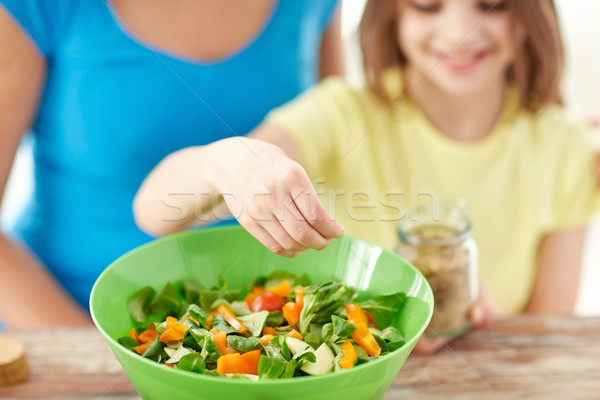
[{"x": 539, "y": 57}]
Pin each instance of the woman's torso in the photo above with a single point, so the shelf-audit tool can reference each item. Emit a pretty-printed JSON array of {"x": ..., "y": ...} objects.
[{"x": 112, "y": 108}]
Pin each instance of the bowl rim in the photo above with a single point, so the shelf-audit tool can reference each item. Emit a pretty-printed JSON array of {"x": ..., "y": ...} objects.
[{"x": 240, "y": 381}]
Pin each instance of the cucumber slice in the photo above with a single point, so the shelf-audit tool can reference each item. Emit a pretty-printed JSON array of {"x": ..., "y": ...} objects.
[
  {"x": 323, "y": 364},
  {"x": 297, "y": 346}
]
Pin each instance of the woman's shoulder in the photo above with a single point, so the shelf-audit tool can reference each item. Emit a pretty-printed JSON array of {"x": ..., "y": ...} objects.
[{"x": 44, "y": 21}]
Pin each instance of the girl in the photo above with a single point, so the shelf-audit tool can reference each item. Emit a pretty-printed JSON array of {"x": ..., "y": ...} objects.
[
  {"x": 109, "y": 88},
  {"x": 462, "y": 100}
]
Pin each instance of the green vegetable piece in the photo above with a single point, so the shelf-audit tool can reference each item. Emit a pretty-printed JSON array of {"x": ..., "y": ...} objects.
[
  {"x": 321, "y": 301},
  {"x": 220, "y": 285},
  {"x": 270, "y": 368},
  {"x": 210, "y": 351},
  {"x": 244, "y": 344},
  {"x": 341, "y": 328},
  {"x": 393, "y": 338},
  {"x": 278, "y": 348},
  {"x": 191, "y": 290},
  {"x": 312, "y": 340},
  {"x": 384, "y": 308},
  {"x": 290, "y": 368},
  {"x": 382, "y": 344},
  {"x": 255, "y": 321},
  {"x": 220, "y": 324},
  {"x": 192, "y": 362},
  {"x": 198, "y": 314},
  {"x": 128, "y": 342},
  {"x": 275, "y": 318},
  {"x": 166, "y": 300},
  {"x": 208, "y": 297},
  {"x": 154, "y": 351},
  {"x": 138, "y": 304}
]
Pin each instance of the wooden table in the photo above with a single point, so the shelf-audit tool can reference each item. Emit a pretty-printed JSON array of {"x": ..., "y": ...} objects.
[{"x": 520, "y": 358}]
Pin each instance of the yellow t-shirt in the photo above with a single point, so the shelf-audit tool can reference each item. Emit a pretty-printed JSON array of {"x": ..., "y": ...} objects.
[{"x": 532, "y": 175}]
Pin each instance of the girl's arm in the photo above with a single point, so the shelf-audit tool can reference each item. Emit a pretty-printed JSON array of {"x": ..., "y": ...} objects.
[
  {"x": 559, "y": 266},
  {"x": 331, "y": 57},
  {"x": 253, "y": 177},
  {"x": 29, "y": 297}
]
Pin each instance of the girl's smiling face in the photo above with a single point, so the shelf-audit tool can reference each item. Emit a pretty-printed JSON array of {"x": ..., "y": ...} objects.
[{"x": 461, "y": 47}]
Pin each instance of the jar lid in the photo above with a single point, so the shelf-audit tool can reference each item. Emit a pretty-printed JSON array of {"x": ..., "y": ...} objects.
[{"x": 442, "y": 223}]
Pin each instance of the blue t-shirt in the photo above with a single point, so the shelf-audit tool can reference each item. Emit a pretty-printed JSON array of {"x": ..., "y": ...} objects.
[{"x": 112, "y": 108}]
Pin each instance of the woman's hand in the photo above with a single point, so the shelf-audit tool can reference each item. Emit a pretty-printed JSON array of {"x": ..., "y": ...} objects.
[{"x": 484, "y": 312}]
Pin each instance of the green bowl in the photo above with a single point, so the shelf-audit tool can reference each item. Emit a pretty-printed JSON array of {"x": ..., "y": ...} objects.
[{"x": 232, "y": 253}]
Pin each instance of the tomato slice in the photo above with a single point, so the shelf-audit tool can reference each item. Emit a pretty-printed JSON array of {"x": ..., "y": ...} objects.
[{"x": 267, "y": 301}]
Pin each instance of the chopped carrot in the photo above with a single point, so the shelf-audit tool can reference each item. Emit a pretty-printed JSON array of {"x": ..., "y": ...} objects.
[
  {"x": 282, "y": 290},
  {"x": 265, "y": 339},
  {"x": 229, "y": 364},
  {"x": 250, "y": 362},
  {"x": 147, "y": 336},
  {"x": 133, "y": 334},
  {"x": 231, "y": 319},
  {"x": 213, "y": 330},
  {"x": 142, "y": 348},
  {"x": 269, "y": 331},
  {"x": 152, "y": 326},
  {"x": 291, "y": 312},
  {"x": 169, "y": 365},
  {"x": 365, "y": 339},
  {"x": 350, "y": 355},
  {"x": 355, "y": 314},
  {"x": 256, "y": 290},
  {"x": 300, "y": 296},
  {"x": 220, "y": 339},
  {"x": 294, "y": 333}
]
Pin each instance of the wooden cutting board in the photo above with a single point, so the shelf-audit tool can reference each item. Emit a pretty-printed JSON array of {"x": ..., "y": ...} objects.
[{"x": 13, "y": 363}]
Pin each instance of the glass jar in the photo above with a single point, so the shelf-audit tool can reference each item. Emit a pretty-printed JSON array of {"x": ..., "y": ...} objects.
[{"x": 437, "y": 240}]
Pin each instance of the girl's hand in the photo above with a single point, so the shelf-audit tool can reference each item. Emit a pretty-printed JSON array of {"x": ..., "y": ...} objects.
[
  {"x": 272, "y": 197},
  {"x": 484, "y": 312}
]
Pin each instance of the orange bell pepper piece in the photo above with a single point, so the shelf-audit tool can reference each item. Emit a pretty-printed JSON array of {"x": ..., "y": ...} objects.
[
  {"x": 174, "y": 331},
  {"x": 142, "y": 348},
  {"x": 237, "y": 363},
  {"x": 291, "y": 312},
  {"x": 282, "y": 290},
  {"x": 362, "y": 336},
  {"x": 265, "y": 339},
  {"x": 350, "y": 355},
  {"x": 250, "y": 362},
  {"x": 229, "y": 364},
  {"x": 231, "y": 319},
  {"x": 269, "y": 331},
  {"x": 294, "y": 333},
  {"x": 365, "y": 339},
  {"x": 370, "y": 319},
  {"x": 355, "y": 314},
  {"x": 220, "y": 339},
  {"x": 133, "y": 334},
  {"x": 211, "y": 315},
  {"x": 147, "y": 336},
  {"x": 300, "y": 296},
  {"x": 256, "y": 290}
]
